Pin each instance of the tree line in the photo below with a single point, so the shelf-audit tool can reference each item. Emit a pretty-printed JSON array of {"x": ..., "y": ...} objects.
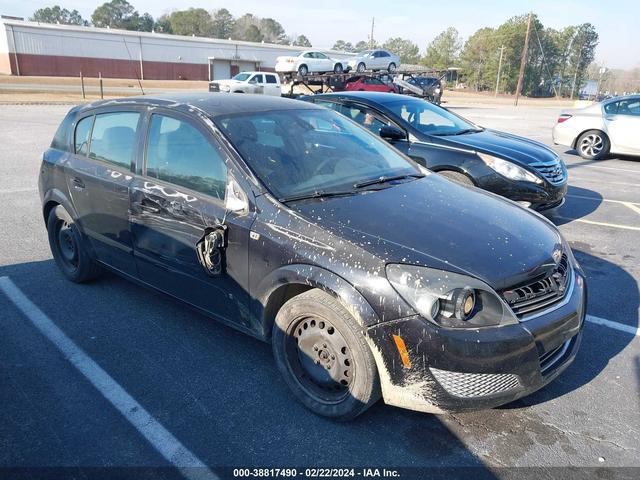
[
  {"x": 557, "y": 60},
  {"x": 192, "y": 21}
]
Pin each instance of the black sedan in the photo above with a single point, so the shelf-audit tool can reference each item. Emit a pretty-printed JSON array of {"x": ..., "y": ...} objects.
[
  {"x": 514, "y": 167},
  {"x": 369, "y": 276}
]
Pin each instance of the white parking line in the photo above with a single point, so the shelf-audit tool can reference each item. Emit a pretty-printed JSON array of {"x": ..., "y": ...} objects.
[
  {"x": 633, "y": 206},
  {"x": 599, "y": 181},
  {"x": 602, "y": 224},
  {"x": 581, "y": 165},
  {"x": 615, "y": 325},
  {"x": 598, "y": 199},
  {"x": 17, "y": 190},
  {"x": 159, "y": 437}
]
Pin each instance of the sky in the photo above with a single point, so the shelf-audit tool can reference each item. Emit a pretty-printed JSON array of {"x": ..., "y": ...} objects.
[{"x": 324, "y": 22}]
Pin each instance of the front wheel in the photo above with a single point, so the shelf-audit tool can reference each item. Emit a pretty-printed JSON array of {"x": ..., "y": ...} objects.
[
  {"x": 338, "y": 68},
  {"x": 303, "y": 70},
  {"x": 321, "y": 351},
  {"x": 391, "y": 68},
  {"x": 593, "y": 145},
  {"x": 458, "y": 177},
  {"x": 69, "y": 248}
]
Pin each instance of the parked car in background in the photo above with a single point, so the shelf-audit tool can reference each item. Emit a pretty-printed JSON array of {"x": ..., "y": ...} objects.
[
  {"x": 369, "y": 275},
  {"x": 249, "y": 82},
  {"x": 369, "y": 84},
  {"x": 611, "y": 126},
  {"x": 374, "y": 60},
  {"x": 307, "y": 62},
  {"x": 515, "y": 167}
]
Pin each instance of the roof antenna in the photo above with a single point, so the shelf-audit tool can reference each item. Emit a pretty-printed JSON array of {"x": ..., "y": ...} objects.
[{"x": 130, "y": 58}]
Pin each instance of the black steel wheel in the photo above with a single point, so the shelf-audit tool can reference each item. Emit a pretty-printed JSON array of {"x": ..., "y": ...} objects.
[
  {"x": 322, "y": 353},
  {"x": 68, "y": 247}
]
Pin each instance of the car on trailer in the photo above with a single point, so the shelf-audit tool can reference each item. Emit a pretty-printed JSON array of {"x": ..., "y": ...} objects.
[
  {"x": 369, "y": 83},
  {"x": 309, "y": 61},
  {"x": 369, "y": 275},
  {"x": 515, "y": 167},
  {"x": 264, "y": 83},
  {"x": 374, "y": 60}
]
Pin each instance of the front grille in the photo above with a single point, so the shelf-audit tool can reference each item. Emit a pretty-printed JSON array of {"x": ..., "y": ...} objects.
[
  {"x": 469, "y": 385},
  {"x": 555, "y": 357},
  {"x": 553, "y": 171},
  {"x": 541, "y": 294}
]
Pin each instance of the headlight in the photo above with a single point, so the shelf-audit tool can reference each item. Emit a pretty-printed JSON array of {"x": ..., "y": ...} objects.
[
  {"x": 509, "y": 169},
  {"x": 225, "y": 88},
  {"x": 449, "y": 299}
]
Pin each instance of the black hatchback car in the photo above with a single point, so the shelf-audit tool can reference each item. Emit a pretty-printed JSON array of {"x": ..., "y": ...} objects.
[
  {"x": 370, "y": 275},
  {"x": 514, "y": 167}
]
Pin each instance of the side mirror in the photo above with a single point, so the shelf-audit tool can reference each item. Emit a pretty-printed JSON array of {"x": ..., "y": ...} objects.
[
  {"x": 235, "y": 199},
  {"x": 389, "y": 132}
]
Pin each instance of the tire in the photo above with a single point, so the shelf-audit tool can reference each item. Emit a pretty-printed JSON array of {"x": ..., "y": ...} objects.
[
  {"x": 321, "y": 351},
  {"x": 303, "y": 70},
  {"x": 391, "y": 68},
  {"x": 69, "y": 249},
  {"x": 457, "y": 177},
  {"x": 361, "y": 67},
  {"x": 593, "y": 145},
  {"x": 338, "y": 68}
]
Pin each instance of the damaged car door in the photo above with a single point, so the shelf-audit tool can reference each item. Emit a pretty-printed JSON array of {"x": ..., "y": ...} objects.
[{"x": 185, "y": 242}]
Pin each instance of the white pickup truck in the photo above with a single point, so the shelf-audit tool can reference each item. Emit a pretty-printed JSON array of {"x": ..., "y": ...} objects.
[{"x": 266, "y": 83}]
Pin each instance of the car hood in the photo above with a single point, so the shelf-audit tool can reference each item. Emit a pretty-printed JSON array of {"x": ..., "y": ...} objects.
[
  {"x": 229, "y": 82},
  {"x": 437, "y": 223},
  {"x": 504, "y": 145}
]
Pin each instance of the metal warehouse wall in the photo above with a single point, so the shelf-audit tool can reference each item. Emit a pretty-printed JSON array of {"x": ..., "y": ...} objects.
[{"x": 63, "y": 50}]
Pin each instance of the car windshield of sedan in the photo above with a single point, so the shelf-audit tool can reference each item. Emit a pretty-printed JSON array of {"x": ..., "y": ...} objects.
[
  {"x": 305, "y": 152},
  {"x": 430, "y": 119},
  {"x": 241, "y": 77}
]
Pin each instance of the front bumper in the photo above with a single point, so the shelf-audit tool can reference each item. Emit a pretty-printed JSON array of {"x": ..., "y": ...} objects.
[
  {"x": 470, "y": 369},
  {"x": 541, "y": 197}
]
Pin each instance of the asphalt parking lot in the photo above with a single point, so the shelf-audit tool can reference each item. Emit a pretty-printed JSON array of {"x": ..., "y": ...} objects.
[{"x": 217, "y": 392}]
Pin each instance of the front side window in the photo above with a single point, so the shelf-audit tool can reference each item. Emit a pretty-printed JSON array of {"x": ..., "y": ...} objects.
[
  {"x": 297, "y": 152},
  {"x": 83, "y": 132},
  {"x": 178, "y": 153},
  {"x": 113, "y": 137},
  {"x": 428, "y": 118},
  {"x": 321, "y": 56},
  {"x": 256, "y": 79}
]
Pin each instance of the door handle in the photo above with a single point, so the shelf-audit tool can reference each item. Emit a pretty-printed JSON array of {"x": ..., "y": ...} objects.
[{"x": 78, "y": 184}]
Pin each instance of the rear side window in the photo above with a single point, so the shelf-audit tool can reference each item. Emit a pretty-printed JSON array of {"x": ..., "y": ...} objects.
[
  {"x": 113, "y": 137},
  {"x": 82, "y": 135},
  {"x": 271, "y": 79},
  {"x": 178, "y": 153}
]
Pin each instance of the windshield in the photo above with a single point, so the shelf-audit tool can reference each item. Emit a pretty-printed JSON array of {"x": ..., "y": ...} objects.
[
  {"x": 241, "y": 77},
  {"x": 428, "y": 118},
  {"x": 298, "y": 152}
]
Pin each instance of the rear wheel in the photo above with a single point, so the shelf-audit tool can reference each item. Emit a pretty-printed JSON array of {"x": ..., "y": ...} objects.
[
  {"x": 321, "y": 351},
  {"x": 593, "y": 145},
  {"x": 361, "y": 67},
  {"x": 456, "y": 177},
  {"x": 391, "y": 68},
  {"x": 337, "y": 68},
  {"x": 69, "y": 248},
  {"x": 303, "y": 70}
]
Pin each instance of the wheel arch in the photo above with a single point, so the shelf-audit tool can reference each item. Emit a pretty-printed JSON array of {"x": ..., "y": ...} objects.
[
  {"x": 289, "y": 281},
  {"x": 575, "y": 140},
  {"x": 53, "y": 198}
]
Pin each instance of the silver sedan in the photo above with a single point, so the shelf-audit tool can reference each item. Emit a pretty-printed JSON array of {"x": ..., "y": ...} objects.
[
  {"x": 611, "y": 126},
  {"x": 374, "y": 60}
]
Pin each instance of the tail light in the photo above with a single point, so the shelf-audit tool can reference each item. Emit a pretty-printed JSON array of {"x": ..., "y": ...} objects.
[{"x": 563, "y": 117}]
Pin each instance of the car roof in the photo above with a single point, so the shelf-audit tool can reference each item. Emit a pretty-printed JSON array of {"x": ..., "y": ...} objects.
[
  {"x": 213, "y": 104},
  {"x": 367, "y": 96},
  {"x": 621, "y": 97}
]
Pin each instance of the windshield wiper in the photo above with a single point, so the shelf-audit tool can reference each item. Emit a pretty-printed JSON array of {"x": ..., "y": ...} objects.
[
  {"x": 387, "y": 179},
  {"x": 316, "y": 194},
  {"x": 459, "y": 132}
]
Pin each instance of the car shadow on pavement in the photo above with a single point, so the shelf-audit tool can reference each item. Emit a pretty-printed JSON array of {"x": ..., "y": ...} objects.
[
  {"x": 579, "y": 202},
  {"x": 219, "y": 391},
  {"x": 611, "y": 156}
]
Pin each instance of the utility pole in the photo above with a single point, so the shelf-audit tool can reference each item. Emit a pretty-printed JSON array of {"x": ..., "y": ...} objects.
[
  {"x": 575, "y": 73},
  {"x": 499, "y": 70},
  {"x": 523, "y": 60},
  {"x": 373, "y": 21}
]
